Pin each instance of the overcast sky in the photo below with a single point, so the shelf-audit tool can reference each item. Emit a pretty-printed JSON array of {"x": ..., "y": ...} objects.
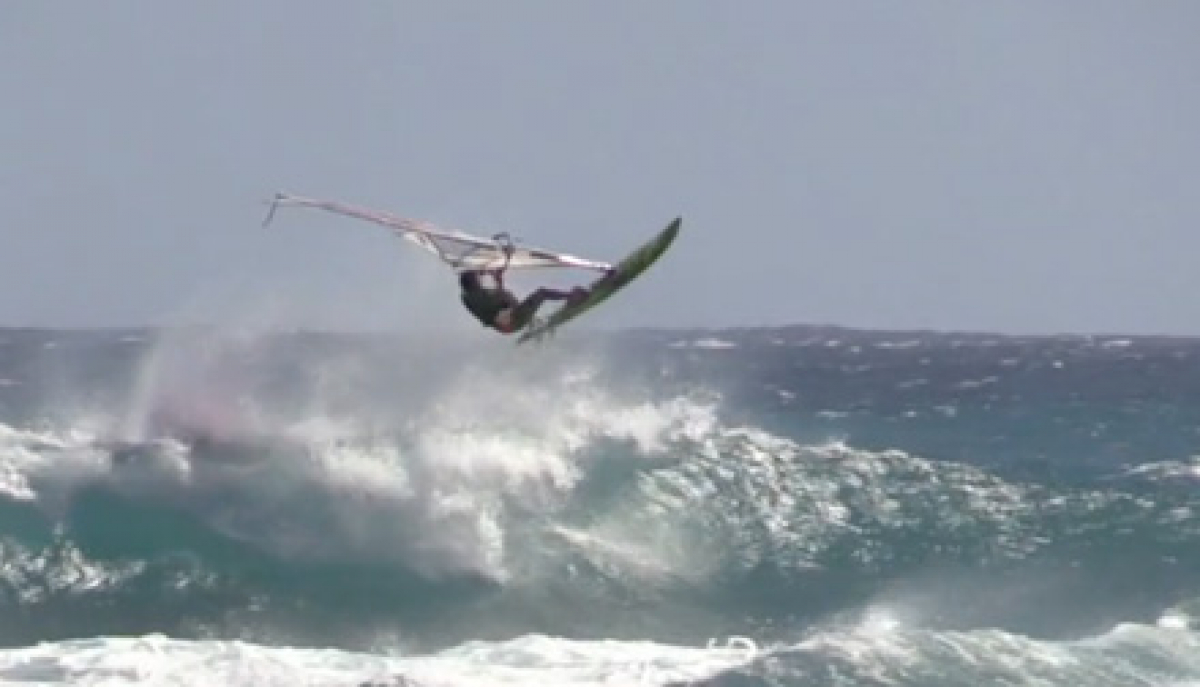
[{"x": 1019, "y": 166}]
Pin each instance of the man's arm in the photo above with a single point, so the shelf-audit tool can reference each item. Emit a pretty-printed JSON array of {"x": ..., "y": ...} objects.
[{"x": 498, "y": 275}]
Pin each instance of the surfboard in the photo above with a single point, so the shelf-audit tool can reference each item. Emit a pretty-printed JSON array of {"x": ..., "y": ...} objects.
[{"x": 601, "y": 290}]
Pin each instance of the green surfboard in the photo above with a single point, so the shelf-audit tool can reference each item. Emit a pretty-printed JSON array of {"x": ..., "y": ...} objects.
[{"x": 626, "y": 271}]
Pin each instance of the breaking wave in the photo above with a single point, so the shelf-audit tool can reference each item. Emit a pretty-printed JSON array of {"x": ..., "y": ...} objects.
[{"x": 493, "y": 512}]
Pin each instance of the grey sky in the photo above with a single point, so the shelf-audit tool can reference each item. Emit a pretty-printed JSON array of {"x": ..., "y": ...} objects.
[{"x": 1017, "y": 166}]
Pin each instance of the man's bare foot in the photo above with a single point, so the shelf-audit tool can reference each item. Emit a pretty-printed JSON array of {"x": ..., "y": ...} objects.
[{"x": 578, "y": 294}]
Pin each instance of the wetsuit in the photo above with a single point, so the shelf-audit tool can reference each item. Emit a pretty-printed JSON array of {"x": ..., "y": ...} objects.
[{"x": 487, "y": 304}]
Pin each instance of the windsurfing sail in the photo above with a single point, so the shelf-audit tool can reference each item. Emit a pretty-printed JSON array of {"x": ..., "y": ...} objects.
[{"x": 460, "y": 251}]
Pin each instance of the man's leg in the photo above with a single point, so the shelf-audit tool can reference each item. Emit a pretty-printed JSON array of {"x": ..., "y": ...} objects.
[{"x": 523, "y": 313}]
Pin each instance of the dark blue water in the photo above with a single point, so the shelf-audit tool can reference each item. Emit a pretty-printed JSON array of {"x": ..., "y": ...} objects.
[{"x": 847, "y": 497}]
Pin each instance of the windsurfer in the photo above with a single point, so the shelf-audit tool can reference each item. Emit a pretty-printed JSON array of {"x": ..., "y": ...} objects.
[{"x": 498, "y": 308}]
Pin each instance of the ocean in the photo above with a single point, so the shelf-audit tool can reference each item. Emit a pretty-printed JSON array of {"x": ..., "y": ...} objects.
[{"x": 777, "y": 506}]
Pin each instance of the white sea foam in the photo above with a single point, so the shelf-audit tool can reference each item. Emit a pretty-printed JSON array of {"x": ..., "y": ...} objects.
[
  {"x": 531, "y": 660},
  {"x": 432, "y": 491},
  {"x": 886, "y": 649},
  {"x": 706, "y": 343}
]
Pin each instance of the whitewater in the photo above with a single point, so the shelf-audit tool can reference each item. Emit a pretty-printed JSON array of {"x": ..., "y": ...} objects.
[{"x": 787, "y": 506}]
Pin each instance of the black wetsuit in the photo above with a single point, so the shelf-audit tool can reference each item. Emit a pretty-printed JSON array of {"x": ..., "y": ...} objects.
[{"x": 486, "y": 304}]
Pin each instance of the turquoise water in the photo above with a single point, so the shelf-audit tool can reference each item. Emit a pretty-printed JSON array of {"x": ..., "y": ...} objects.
[{"x": 858, "y": 507}]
